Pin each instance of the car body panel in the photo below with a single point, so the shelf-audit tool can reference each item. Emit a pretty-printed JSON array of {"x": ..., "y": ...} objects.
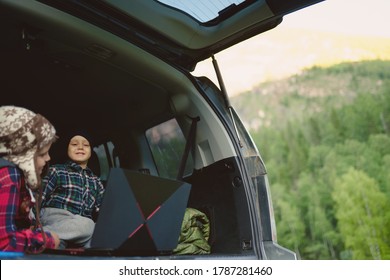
[{"x": 176, "y": 36}]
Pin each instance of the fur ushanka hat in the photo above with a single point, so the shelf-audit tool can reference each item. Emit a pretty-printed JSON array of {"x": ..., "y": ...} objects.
[{"x": 22, "y": 134}]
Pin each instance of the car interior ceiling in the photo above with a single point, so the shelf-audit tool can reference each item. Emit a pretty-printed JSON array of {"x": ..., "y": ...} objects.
[{"x": 62, "y": 84}]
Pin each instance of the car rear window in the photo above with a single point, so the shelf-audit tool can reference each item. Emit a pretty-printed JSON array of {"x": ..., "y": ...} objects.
[{"x": 202, "y": 10}]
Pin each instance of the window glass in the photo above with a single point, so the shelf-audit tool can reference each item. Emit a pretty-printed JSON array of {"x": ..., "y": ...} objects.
[
  {"x": 202, "y": 10},
  {"x": 167, "y": 144}
]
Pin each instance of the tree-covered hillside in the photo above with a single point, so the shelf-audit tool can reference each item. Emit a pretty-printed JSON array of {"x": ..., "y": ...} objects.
[{"x": 324, "y": 136}]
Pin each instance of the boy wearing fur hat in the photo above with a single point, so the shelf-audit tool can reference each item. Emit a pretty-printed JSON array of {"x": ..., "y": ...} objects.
[
  {"x": 72, "y": 194},
  {"x": 25, "y": 140}
]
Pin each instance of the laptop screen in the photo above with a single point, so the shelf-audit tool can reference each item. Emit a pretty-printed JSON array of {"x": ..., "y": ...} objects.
[{"x": 141, "y": 214}]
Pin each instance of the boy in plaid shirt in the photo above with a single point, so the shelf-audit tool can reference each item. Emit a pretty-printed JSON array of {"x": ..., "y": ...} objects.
[
  {"x": 25, "y": 140},
  {"x": 72, "y": 194}
]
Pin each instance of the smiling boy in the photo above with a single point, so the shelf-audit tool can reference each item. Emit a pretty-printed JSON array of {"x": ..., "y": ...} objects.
[{"x": 72, "y": 194}]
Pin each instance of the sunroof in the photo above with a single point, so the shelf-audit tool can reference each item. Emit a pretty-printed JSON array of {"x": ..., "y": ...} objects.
[{"x": 202, "y": 10}]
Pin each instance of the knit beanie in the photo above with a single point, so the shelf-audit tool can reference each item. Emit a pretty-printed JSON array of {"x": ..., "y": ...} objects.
[
  {"x": 82, "y": 132},
  {"x": 22, "y": 134}
]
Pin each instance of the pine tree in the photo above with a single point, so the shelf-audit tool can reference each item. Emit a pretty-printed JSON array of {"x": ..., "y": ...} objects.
[{"x": 362, "y": 211}]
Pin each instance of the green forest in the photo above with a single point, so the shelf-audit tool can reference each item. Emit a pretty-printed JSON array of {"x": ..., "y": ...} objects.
[{"x": 324, "y": 135}]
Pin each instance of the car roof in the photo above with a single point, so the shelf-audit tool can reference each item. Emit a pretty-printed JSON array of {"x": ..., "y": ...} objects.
[{"x": 176, "y": 31}]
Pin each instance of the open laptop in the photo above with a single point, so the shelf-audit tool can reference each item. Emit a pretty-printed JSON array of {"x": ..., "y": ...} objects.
[{"x": 141, "y": 214}]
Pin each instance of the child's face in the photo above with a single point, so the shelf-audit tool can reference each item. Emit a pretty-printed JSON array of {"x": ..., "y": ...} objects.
[
  {"x": 41, "y": 158},
  {"x": 79, "y": 150}
]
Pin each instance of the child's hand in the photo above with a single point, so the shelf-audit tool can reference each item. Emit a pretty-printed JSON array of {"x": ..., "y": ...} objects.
[{"x": 25, "y": 206}]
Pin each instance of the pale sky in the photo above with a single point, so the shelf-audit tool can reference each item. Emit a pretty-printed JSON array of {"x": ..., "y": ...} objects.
[
  {"x": 357, "y": 17},
  {"x": 253, "y": 61}
]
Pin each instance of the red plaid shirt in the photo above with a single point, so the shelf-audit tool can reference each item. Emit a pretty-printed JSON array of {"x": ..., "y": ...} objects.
[{"x": 15, "y": 204}]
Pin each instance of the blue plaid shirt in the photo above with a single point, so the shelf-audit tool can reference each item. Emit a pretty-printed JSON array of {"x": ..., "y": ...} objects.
[{"x": 69, "y": 187}]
